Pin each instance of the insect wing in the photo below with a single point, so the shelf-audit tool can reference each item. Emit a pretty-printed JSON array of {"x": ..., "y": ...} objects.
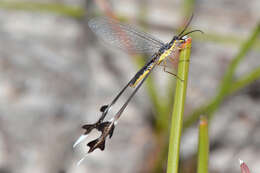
[
  {"x": 171, "y": 61},
  {"x": 124, "y": 36}
]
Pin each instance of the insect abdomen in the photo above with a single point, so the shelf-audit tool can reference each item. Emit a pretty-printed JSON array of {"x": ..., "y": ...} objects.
[{"x": 142, "y": 73}]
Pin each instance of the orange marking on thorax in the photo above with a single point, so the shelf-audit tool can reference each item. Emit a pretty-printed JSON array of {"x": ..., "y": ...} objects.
[{"x": 187, "y": 41}]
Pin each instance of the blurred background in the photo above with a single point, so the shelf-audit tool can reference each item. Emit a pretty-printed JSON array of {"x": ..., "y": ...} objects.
[{"x": 55, "y": 74}]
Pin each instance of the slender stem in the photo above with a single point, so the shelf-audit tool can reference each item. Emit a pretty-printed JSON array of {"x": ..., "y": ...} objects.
[
  {"x": 227, "y": 80},
  {"x": 245, "y": 80},
  {"x": 178, "y": 109},
  {"x": 203, "y": 147}
]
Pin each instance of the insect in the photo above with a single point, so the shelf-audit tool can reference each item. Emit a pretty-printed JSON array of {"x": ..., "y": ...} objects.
[{"x": 130, "y": 39}]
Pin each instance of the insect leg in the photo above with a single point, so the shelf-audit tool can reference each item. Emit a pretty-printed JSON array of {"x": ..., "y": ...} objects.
[{"x": 165, "y": 70}]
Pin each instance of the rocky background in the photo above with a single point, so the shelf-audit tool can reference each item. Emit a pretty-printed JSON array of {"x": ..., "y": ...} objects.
[{"x": 55, "y": 75}]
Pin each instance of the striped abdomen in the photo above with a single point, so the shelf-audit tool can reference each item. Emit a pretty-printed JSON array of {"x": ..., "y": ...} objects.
[{"x": 143, "y": 72}]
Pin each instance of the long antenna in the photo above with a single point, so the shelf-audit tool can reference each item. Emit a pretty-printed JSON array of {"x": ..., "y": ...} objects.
[
  {"x": 186, "y": 26},
  {"x": 196, "y": 30}
]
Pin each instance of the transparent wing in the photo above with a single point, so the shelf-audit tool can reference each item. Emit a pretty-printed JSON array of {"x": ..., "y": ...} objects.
[
  {"x": 170, "y": 63},
  {"x": 124, "y": 36}
]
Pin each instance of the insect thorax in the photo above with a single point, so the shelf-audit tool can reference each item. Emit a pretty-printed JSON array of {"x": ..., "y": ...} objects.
[{"x": 175, "y": 46}]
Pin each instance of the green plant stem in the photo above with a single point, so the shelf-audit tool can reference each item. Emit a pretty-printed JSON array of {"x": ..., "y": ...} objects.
[
  {"x": 203, "y": 147},
  {"x": 61, "y": 9},
  {"x": 245, "y": 80},
  {"x": 225, "y": 85},
  {"x": 178, "y": 109}
]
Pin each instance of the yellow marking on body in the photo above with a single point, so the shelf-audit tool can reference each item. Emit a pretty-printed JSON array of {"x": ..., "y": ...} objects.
[
  {"x": 142, "y": 76},
  {"x": 166, "y": 53}
]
